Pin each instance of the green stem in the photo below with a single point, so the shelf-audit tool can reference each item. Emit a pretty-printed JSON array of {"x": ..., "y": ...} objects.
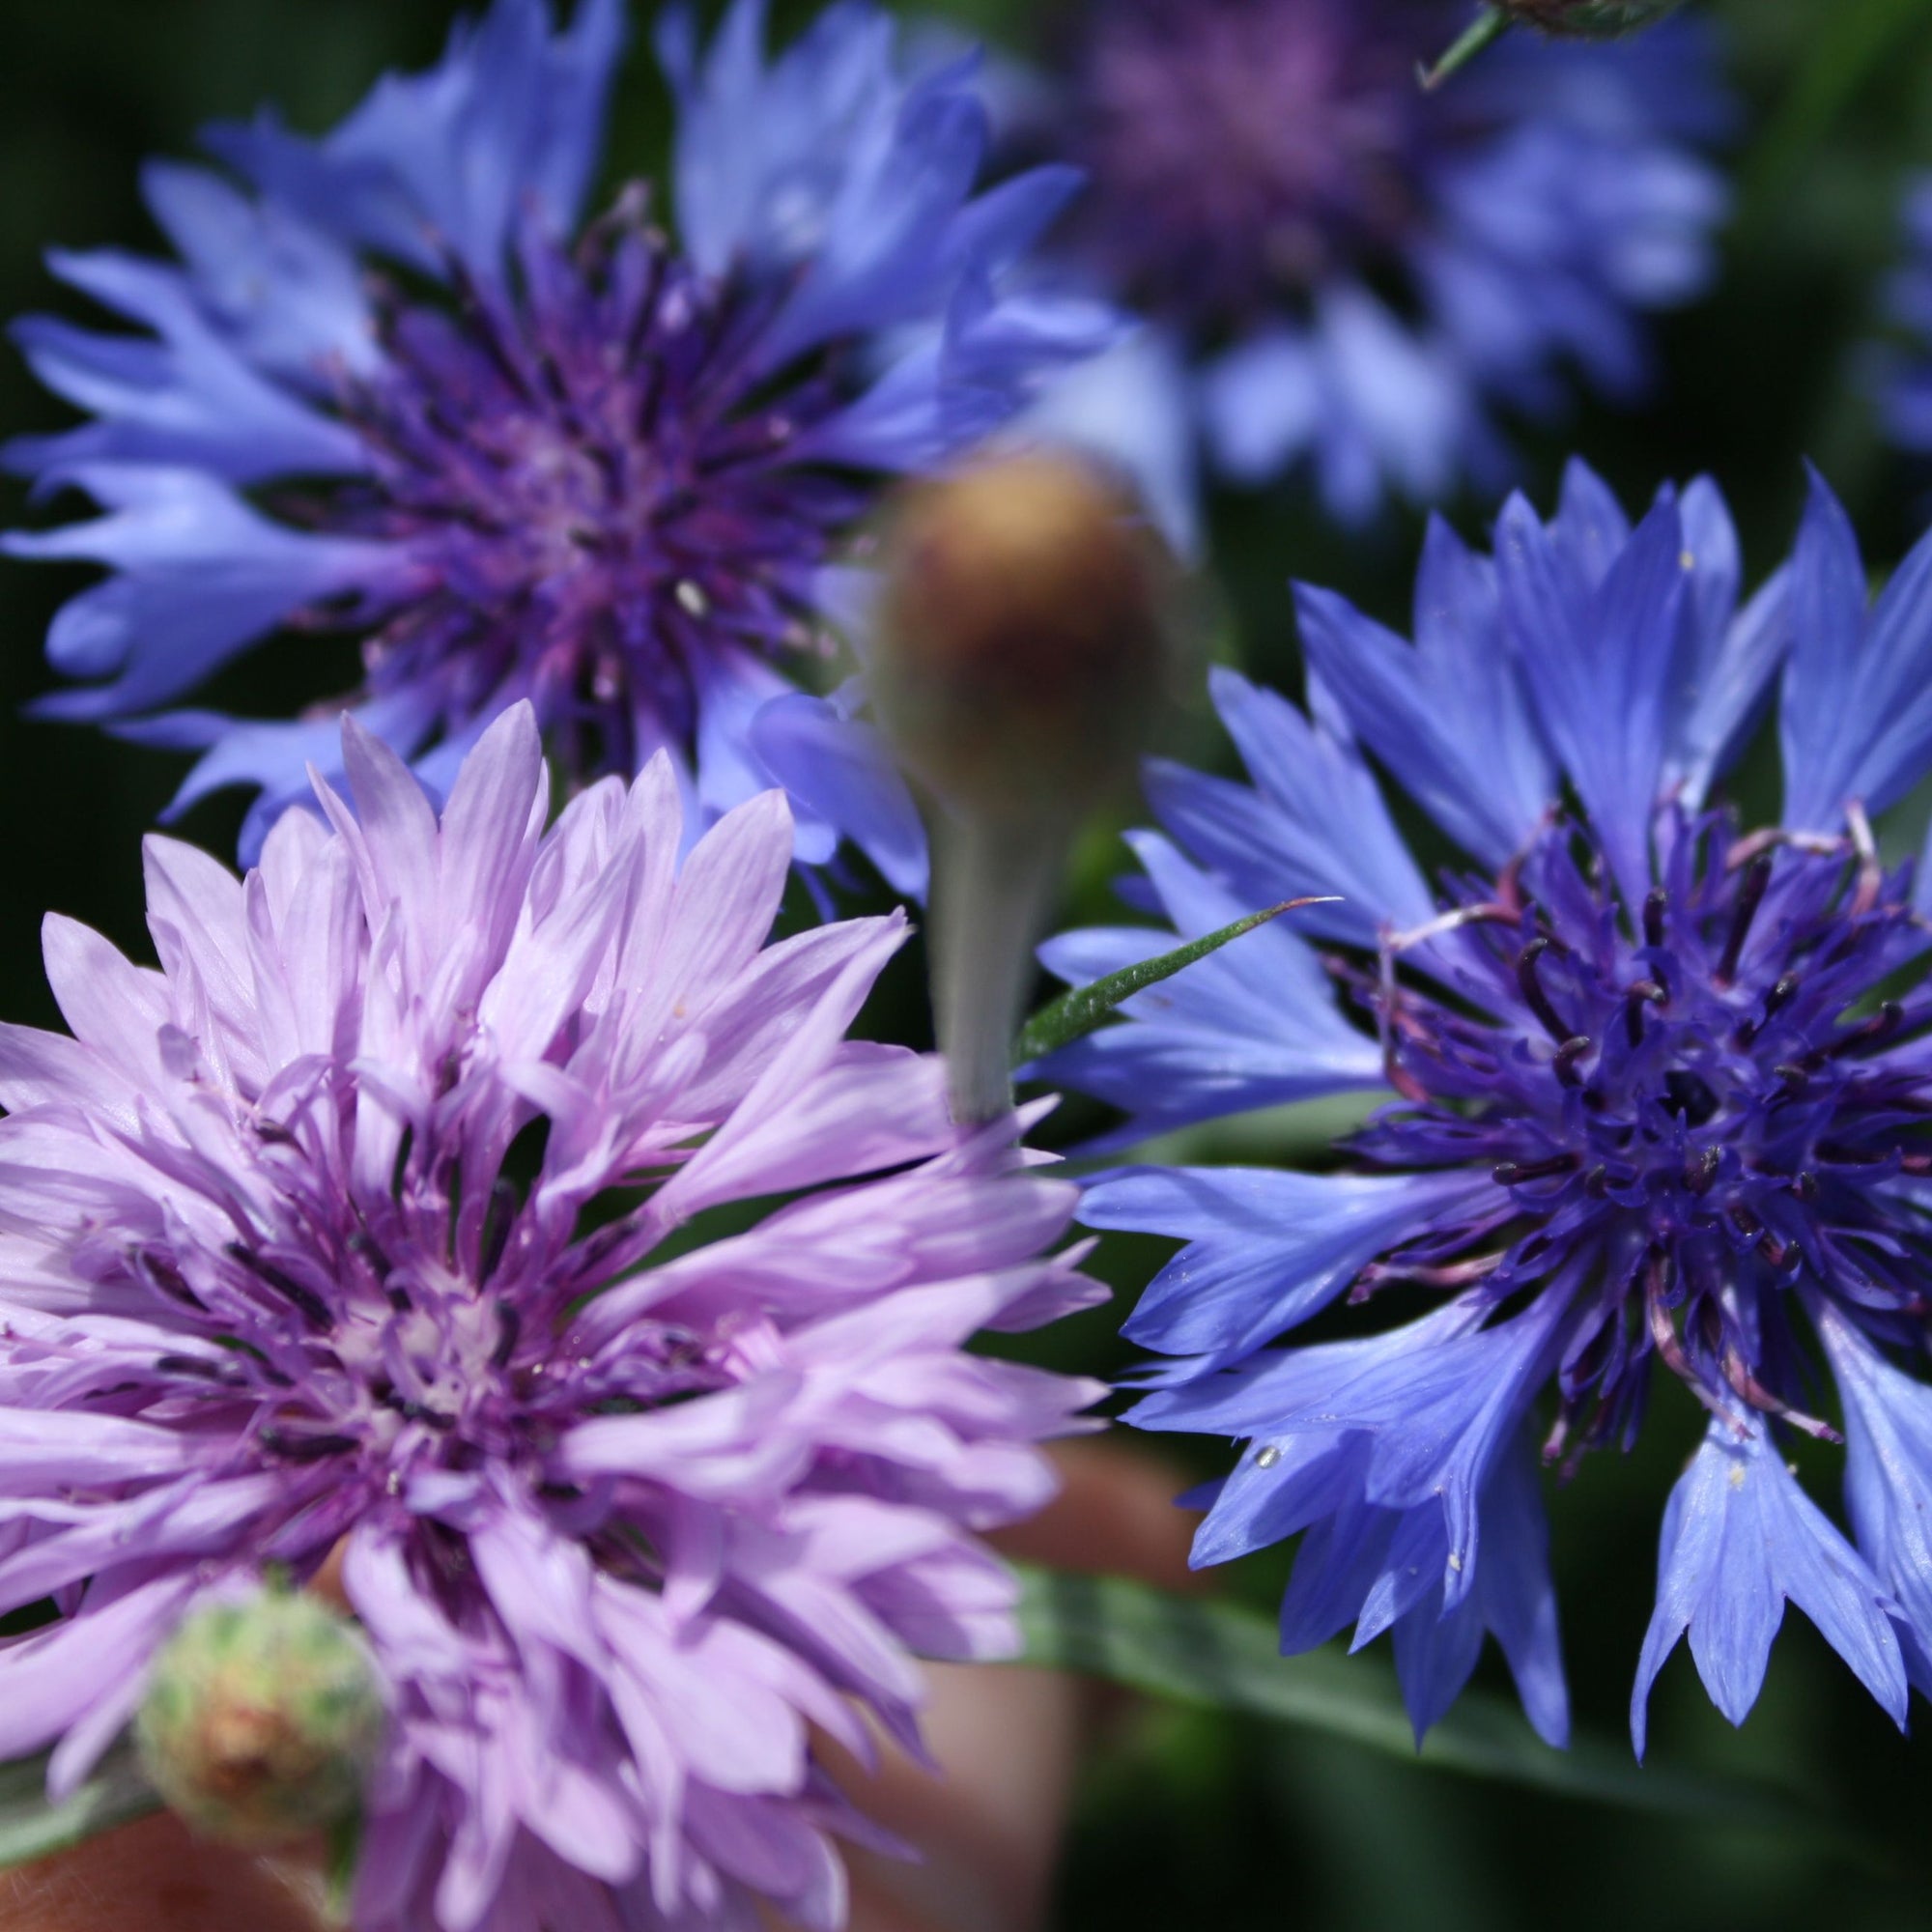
[
  {"x": 1484, "y": 31},
  {"x": 992, "y": 890}
]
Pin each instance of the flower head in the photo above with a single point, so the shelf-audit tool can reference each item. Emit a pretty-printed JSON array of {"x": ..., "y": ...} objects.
[
  {"x": 395, "y": 386},
  {"x": 1345, "y": 270},
  {"x": 381, "y": 1219},
  {"x": 1662, "y": 1099}
]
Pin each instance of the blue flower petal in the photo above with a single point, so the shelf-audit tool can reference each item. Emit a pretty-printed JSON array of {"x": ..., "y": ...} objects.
[
  {"x": 1266, "y": 1249},
  {"x": 188, "y": 397},
  {"x": 202, "y": 575},
  {"x": 511, "y": 117},
  {"x": 1601, "y": 661},
  {"x": 1731, "y": 656},
  {"x": 1130, "y": 408},
  {"x": 1449, "y": 717},
  {"x": 1740, "y": 1538},
  {"x": 290, "y": 297},
  {"x": 838, "y": 767},
  {"x": 1253, "y": 1025},
  {"x": 761, "y": 153},
  {"x": 1888, "y": 1475},
  {"x": 1857, "y": 716},
  {"x": 1328, "y": 830},
  {"x": 1377, "y": 407}
]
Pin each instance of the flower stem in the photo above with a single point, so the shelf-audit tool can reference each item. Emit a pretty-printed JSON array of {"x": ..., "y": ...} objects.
[{"x": 993, "y": 885}]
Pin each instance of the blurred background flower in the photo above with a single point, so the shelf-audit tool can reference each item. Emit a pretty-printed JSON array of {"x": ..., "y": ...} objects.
[{"x": 1344, "y": 272}]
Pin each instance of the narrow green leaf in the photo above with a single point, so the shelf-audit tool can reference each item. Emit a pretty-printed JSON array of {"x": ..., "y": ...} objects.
[
  {"x": 1082, "y": 1008},
  {"x": 1483, "y": 32},
  {"x": 30, "y": 1827},
  {"x": 1228, "y": 1657}
]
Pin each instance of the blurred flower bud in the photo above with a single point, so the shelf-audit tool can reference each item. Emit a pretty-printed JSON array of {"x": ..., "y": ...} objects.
[
  {"x": 261, "y": 1719},
  {"x": 1593, "y": 19},
  {"x": 1022, "y": 643},
  {"x": 1021, "y": 653},
  {"x": 1581, "y": 19}
]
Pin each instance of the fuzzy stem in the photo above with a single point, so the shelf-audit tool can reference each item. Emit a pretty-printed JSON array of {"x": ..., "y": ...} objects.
[{"x": 993, "y": 887}]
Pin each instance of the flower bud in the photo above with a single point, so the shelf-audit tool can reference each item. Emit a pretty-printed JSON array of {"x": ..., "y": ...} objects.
[
  {"x": 1576, "y": 19},
  {"x": 261, "y": 1719},
  {"x": 1021, "y": 652},
  {"x": 1590, "y": 19},
  {"x": 1022, "y": 643}
]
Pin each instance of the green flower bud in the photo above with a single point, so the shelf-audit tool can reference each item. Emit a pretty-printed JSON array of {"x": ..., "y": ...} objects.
[{"x": 261, "y": 1719}]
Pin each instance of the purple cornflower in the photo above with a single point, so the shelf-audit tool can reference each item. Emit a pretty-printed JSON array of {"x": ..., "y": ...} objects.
[
  {"x": 1662, "y": 1095},
  {"x": 378, "y": 1218},
  {"x": 1906, "y": 394},
  {"x": 396, "y": 387},
  {"x": 1342, "y": 270}
]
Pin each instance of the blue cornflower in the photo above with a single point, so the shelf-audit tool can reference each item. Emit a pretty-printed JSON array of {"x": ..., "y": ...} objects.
[
  {"x": 1664, "y": 1090},
  {"x": 396, "y": 386},
  {"x": 1906, "y": 394},
  {"x": 1344, "y": 272}
]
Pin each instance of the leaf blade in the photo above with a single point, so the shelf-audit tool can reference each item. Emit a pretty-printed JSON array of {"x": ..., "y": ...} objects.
[
  {"x": 1080, "y": 1009},
  {"x": 1226, "y": 1656}
]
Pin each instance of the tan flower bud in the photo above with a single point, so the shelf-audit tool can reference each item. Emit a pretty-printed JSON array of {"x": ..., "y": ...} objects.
[{"x": 1023, "y": 637}]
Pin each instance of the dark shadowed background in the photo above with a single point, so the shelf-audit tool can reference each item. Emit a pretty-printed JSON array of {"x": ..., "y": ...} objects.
[{"x": 1188, "y": 1819}]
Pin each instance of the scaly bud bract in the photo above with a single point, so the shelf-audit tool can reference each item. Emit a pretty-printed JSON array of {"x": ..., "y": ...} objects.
[{"x": 261, "y": 1719}]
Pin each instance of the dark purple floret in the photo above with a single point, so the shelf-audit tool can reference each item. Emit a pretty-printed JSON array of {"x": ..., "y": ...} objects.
[
  {"x": 595, "y": 484},
  {"x": 1681, "y": 1103}
]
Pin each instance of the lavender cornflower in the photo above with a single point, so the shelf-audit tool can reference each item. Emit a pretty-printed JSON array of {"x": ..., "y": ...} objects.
[
  {"x": 382, "y": 1218},
  {"x": 1344, "y": 272},
  {"x": 395, "y": 387},
  {"x": 1663, "y": 1096}
]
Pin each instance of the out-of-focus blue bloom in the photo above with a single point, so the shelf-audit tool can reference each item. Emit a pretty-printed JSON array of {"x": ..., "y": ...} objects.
[
  {"x": 1906, "y": 394},
  {"x": 394, "y": 385},
  {"x": 1660, "y": 1097},
  {"x": 1346, "y": 272}
]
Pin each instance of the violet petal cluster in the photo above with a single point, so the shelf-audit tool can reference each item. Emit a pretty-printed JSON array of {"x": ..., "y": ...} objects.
[
  {"x": 1663, "y": 1084},
  {"x": 414, "y": 1209},
  {"x": 395, "y": 386}
]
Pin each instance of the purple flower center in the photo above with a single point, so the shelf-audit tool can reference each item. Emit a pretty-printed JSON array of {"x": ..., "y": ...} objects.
[
  {"x": 596, "y": 487},
  {"x": 1240, "y": 148},
  {"x": 1680, "y": 1108},
  {"x": 434, "y": 1340}
]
